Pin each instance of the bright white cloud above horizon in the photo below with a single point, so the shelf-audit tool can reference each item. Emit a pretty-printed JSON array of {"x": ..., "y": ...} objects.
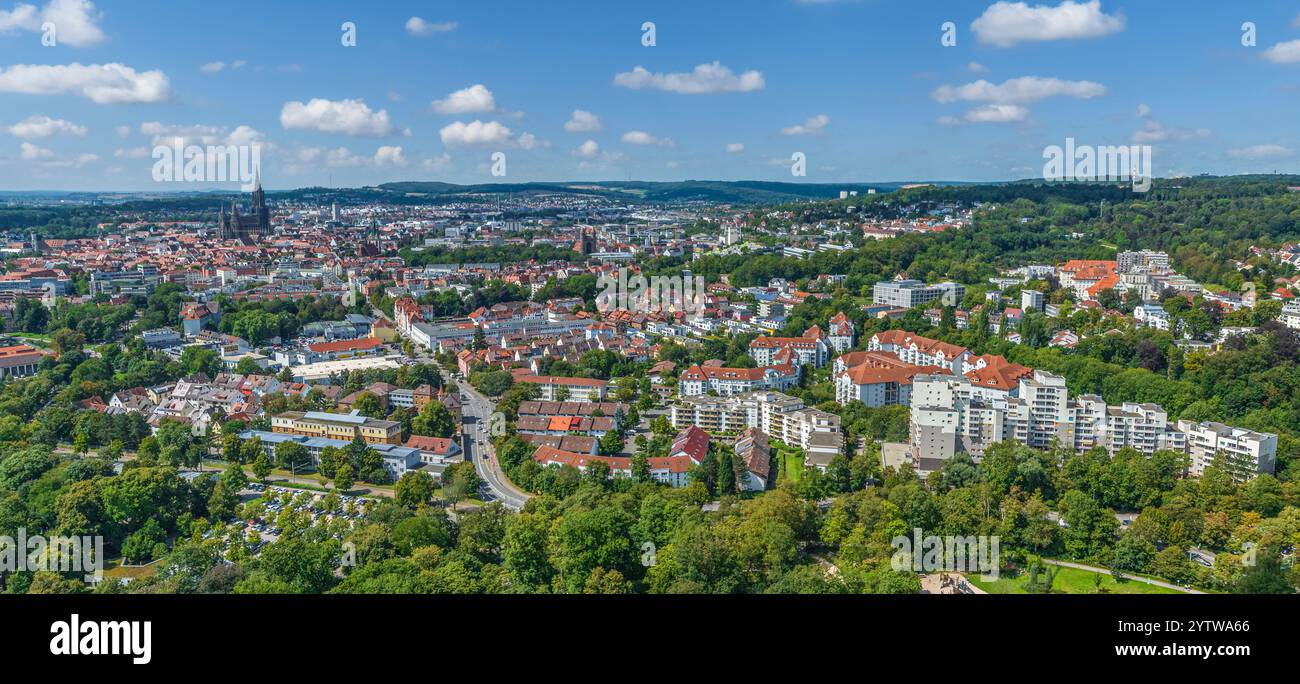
[{"x": 424, "y": 86}]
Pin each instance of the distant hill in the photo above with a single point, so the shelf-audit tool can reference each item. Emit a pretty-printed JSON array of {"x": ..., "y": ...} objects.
[{"x": 734, "y": 192}]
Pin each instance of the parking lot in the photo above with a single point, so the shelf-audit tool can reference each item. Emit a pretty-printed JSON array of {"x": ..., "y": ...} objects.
[{"x": 313, "y": 504}]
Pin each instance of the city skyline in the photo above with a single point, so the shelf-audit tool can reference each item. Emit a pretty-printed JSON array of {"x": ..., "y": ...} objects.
[{"x": 570, "y": 95}]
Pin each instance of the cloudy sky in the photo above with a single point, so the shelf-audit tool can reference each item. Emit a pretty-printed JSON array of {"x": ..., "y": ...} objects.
[{"x": 865, "y": 89}]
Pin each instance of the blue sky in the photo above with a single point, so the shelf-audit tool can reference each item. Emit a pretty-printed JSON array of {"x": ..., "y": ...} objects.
[{"x": 864, "y": 88}]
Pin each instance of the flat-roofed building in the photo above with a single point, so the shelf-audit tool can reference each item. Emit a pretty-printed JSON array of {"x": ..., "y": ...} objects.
[
  {"x": 397, "y": 459},
  {"x": 1245, "y": 453}
]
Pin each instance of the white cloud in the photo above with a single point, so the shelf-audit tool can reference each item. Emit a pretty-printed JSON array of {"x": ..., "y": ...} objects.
[
  {"x": 419, "y": 27},
  {"x": 1005, "y": 24},
  {"x": 341, "y": 156},
  {"x": 31, "y": 152},
  {"x": 76, "y": 22},
  {"x": 71, "y": 163},
  {"x": 1284, "y": 53},
  {"x": 245, "y": 135},
  {"x": 123, "y": 131},
  {"x": 437, "y": 164},
  {"x": 201, "y": 134},
  {"x": 219, "y": 66},
  {"x": 1143, "y": 110},
  {"x": 1154, "y": 131},
  {"x": 44, "y": 127},
  {"x": 1267, "y": 151},
  {"x": 476, "y": 133},
  {"x": 388, "y": 155},
  {"x": 132, "y": 153},
  {"x": 100, "y": 83},
  {"x": 384, "y": 156},
  {"x": 1023, "y": 90},
  {"x": 461, "y": 134},
  {"x": 814, "y": 126},
  {"x": 735, "y": 148},
  {"x": 704, "y": 79},
  {"x": 992, "y": 113},
  {"x": 346, "y": 117},
  {"x": 977, "y": 68},
  {"x": 587, "y": 150},
  {"x": 643, "y": 138},
  {"x": 476, "y": 98},
  {"x": 583, "y": 122},
  {"x": 48, "y": 159}
]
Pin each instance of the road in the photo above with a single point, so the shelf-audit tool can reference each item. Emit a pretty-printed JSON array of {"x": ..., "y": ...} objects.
[
  {"x": 478, "y": 408},
  {"x": 496, "y": 486},
  {"x": 1131, "y": 578}
]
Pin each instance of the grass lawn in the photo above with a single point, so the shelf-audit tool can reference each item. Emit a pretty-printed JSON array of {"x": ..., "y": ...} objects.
[
  {"x": 36, "y": 339},
  {"x": 791, "y": 466},
  {"x": 113, "y": 569},
  {"x": 1068, "y": 581}
]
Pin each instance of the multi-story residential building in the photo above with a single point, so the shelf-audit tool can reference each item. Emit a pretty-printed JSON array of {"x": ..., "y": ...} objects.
[
  {"x": 842, "y": 333},
  {"x": 1144, "y": 261},
  {"x": 342, "y": 426},
  {"x": 1142, "y": 285},
  {"x": 780, "y": 416},
  {"x": 922, "y": 351},
  {"x": 554, "y": 388},
  {"x": 879, "y": 383},
  {"x": 1290, "y": 316},
  {"x": 811, "y": 349},
  {"x": 141, "y": 281},
  {"x": 951, "y": 414},
  {"x": 698, "y": 380},
  {"x": 1152, "y": 316},
  {"x": 1245, "y": 453},
  {"x": 905, "y": 293},
  {"x": 1088, "y": 277},
  {"x": 1032, "y": 300}
]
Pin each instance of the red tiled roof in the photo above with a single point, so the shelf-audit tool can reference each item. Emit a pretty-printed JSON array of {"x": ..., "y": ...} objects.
[{"x": 902, "y": 338}]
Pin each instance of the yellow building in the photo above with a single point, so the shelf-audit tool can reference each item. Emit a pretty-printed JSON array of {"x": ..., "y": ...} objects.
[{"x": 344, "y": 426}]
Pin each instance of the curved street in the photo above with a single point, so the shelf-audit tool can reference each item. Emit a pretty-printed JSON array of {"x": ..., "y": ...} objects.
[{"x": 478, "y": 448}]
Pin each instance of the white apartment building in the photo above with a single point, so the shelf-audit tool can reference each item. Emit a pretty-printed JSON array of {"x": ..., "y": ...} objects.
[
  {"x": 842, "y": 333},
  {"x": 906, "y": 294},
  {"x": 1143, "y": 261},
  {"x": 699, "y": 380},
  {"x": 800, "y": 351},
  {"x": 952, "y": 414},
  {"x": 1152, "y": 316},
  {"x": 780, "y": 416},
  {"x": 1290, "y": 316},
  {"x": 922, "y": 351},
  {"x": 1246, "y": 452}
]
